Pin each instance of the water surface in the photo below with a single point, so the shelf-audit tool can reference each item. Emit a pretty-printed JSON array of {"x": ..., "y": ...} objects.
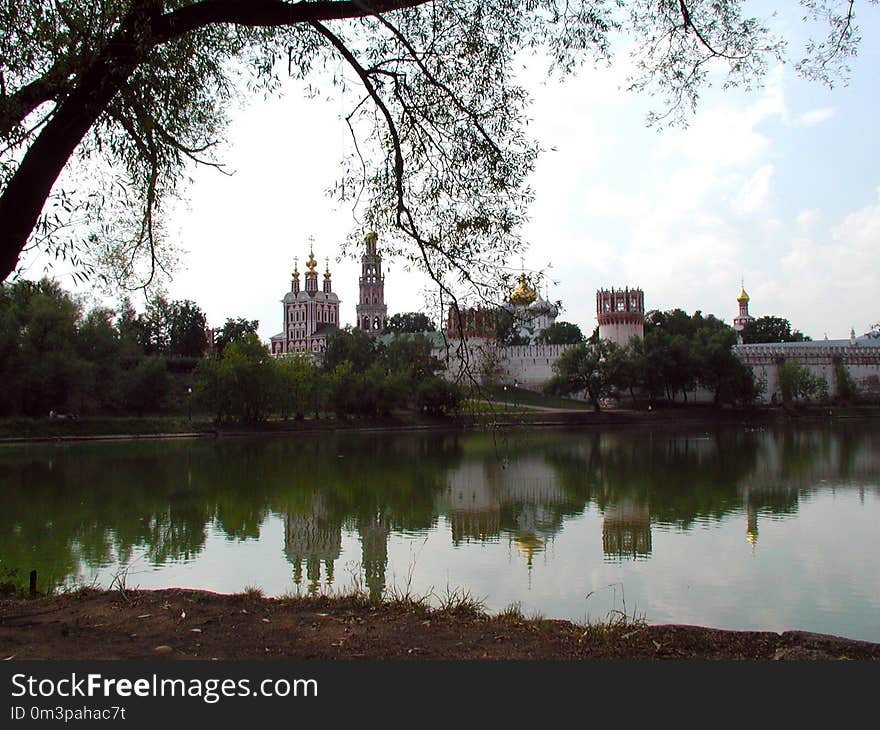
[{"x": 743, "y": 529}]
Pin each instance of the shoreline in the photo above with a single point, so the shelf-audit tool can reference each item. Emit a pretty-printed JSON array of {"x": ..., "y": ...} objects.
[
  {"x": 533, "y": 418},
  {"x": 179, "y": 623}
]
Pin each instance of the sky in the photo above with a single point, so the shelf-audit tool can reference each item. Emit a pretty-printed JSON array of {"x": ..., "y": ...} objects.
[{"x": 776, "y": 189}]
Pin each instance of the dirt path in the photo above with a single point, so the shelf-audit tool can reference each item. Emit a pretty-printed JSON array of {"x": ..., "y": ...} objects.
[{"x": 182, "y": 624}]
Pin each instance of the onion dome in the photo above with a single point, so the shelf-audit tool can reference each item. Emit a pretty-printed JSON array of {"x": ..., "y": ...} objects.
[
  {"x": 295, "y": 269},
  {"x": 523, "y": 295},
  {"x": 327, "y": 272},
  {"x": 311, "y": 263},
  {"x": 743, "y": 297}
]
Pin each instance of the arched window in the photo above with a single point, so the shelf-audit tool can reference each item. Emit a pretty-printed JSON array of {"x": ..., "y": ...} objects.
[{"x": 376, "y": 323}]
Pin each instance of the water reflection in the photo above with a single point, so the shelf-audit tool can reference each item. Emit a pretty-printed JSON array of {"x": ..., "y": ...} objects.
[{"x": 70, "y": 509}]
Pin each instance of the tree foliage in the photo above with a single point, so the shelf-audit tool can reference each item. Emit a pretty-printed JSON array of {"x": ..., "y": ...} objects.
[
  {"x": 105, "y": 106},
  {"x": 771, "y": 329},
  {"x": 560, "y": 333},
  {"x": 409, "y": 322}
]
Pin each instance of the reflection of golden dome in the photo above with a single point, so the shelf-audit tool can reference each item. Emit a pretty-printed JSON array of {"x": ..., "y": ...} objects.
[
  {"x": 523, "y": 295},
  {"x": 752, "y": 536},
  {"x": 371, "y": 237},
  {"x": 528, "y": 545},
  {"x": 743, "y": 297}
]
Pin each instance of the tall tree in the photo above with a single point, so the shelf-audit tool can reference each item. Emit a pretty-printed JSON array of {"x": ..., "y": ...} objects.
[
  {"x": 771, "y": 329},
  {"x": 561, "y": 333},
  {"x": 138, "y": 90},
  {"x": 234, "y": 330},
  {"x": 409, "y": 322}
]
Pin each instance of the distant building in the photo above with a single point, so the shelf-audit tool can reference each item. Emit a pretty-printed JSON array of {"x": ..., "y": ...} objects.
[
  {"x": 744, "y": 318},
  {"x": 309, "y": 315},
  {"x": 531, "y": 313},
  {"x": 621, "y": 314},
  {"x": 371, "y": 308}
]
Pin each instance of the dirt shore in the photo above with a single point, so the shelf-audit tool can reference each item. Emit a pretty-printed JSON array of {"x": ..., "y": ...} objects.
[{"x": 185, "y": 624}]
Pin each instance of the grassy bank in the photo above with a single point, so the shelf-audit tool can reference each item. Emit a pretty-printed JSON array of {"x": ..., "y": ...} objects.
[{"x": 540, "y": 411}]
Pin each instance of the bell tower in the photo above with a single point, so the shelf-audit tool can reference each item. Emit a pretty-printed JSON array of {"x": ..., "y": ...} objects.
[
  {"x": 744, "y": 317},
  {"x": 371, "y": 308}
]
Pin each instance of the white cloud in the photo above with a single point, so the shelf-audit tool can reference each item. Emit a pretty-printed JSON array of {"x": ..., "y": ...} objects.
[
  {"x": 754, "y": 194},
  {"x": 814, "y": 117}
]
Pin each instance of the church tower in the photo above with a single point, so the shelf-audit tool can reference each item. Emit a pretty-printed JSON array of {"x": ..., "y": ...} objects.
[
  {"x": 744, "y": 317},
  {"x": 371, "y": 308}
]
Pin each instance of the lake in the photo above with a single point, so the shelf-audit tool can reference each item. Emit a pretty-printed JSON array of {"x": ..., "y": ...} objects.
[{"x": 770, "y": 528}]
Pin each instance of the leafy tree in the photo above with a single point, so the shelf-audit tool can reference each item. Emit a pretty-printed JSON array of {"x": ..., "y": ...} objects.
[
  {"x": 138, "y": 90},
  {"x": 722, "y": 372},
  {"x": 248, "y": 374},
  {"x": 234, "y": 330},
  {"x": 42, "y": 369},
  {"x": 146, "y": 385},
  {"x": 412, "y": 357},
  {"x": 354, "y": 346},
  {"x": 296, "y": 381},
  {"x": 409, "y": 322},
  {"x": 100, "y": 347},
  {"x": 438, "y": 397},
  {"x": 583, "y": 368},
  {"x": 186, "y": 329},
  {"x": 796, "y": 382},
  {"x": 561, "y": 333},
  {"x": 771, "y": 329}
]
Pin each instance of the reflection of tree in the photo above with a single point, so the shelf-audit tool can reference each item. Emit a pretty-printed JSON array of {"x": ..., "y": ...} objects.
[
  {"x": 66, "y": 509},
  {"x": 70, "y": 509}
]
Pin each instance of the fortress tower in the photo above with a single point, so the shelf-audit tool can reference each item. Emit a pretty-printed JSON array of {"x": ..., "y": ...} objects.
[
  {"x": 371, "y": 308},
  {"x": 621, "y": 314}
]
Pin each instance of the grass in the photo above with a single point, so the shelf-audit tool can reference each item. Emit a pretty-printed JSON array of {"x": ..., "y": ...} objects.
[{"x": 524, "y": 397}]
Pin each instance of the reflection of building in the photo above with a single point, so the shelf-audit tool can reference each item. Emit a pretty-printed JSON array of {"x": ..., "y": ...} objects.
[
  {"x": 621, "y": 314},
  {"x": 309, "y": 540},
  {"x": 626, "y": 530},
  {"x": 309, "y": 315},
  {"x": 485, "y": 500},
  {"x": 374, "y": 553}
]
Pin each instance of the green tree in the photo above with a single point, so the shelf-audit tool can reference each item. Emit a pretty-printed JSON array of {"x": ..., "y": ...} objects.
[
  {"x": 771, "y": 329},
  {"x": 100, "y": 347},
  {"x": 145, "y": 385},
  {"x": 186, "y": 329},
  {"x": 408, "y": 322},
  {"x": 43, "y": 369},
  {"x": 583, "y": 368},
  {"x": 139, "y": 89},
  {"x": 295, "y": 381},
  {"x": 353, "y": 346},
  {"x": 234, "y": 330},
  {"x": 796, "y": 382},
  {"x": 561, "y": 333}
]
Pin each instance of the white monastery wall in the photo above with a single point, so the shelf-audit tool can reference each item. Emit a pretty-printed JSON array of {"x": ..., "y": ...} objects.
[{"x": 861, "y": 359}]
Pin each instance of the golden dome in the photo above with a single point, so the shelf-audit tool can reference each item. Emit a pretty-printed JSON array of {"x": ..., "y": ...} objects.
[
  {"x": 371, "y": 237},
  {"x": 523, "y": 295},
  {"x": 311, "y": 263},
  {"x": 296, "y": 268},
  {"x": 743, "y": 297},
  {"x": 327, "y": 272}
]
